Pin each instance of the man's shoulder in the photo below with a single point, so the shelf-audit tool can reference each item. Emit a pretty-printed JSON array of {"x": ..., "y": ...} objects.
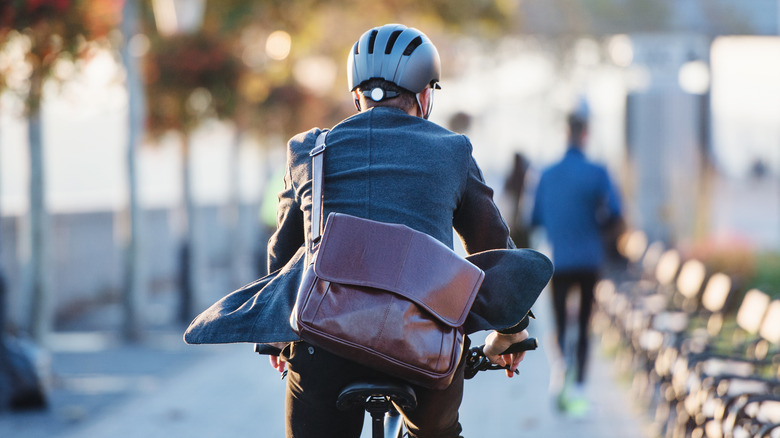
[
  {"x": 553, "y": 168},
  {"x": 596, "y": 168},
  {"x": 304, "y": 141},
  {"x": 418, "y": 130},
  {"x": 393, "y": 120},
  {"x": 582, "y": 161},
  {"x": 573, "y": 167}
]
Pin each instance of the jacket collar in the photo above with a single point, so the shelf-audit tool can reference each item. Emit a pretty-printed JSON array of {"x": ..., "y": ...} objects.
[{"x": 574, "y": 151}]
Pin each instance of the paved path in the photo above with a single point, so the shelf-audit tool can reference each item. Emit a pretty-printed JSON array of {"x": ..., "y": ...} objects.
[
  {"x": 163, "y": 388},
  {"x": 524, "y": 406}
]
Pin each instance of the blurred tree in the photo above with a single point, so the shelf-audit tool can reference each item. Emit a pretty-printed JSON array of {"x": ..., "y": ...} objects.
[
  {"x": 283, "y": 95},
  {"x": 190, "y": 78},
  {"x": 47, "y": 33},
  {"x": 132, "y": 49},
  {"x": 35, "y": 37}
]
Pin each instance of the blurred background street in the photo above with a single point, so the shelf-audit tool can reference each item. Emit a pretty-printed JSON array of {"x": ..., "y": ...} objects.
[
  {"x": 162, "y": 388},
  {"x": 141, "y": 145}
]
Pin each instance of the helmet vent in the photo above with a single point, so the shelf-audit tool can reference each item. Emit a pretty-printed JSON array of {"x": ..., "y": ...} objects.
[
  {"x": 371, "y": 41},
  {"x": 391, "y": 41},
  {"x": 412, "y": 45}
]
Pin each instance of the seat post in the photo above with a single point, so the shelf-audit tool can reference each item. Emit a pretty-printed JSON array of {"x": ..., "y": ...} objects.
[
  {"x": 377, "y": 398},
  {"x": 377, "y": 406}
]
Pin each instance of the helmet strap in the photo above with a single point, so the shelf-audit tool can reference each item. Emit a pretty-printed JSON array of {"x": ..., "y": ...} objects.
[{"x": 356, "y": 96}]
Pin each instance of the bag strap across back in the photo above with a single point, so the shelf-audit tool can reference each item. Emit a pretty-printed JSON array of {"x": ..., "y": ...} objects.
[
  {"x": 316, "y": 189},
  {"x": 424, "y": 261}
]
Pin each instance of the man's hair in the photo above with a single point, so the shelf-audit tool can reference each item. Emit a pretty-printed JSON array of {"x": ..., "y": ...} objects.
[
  {"x": 406, "y": 100},
  {"x": 577, "y": 126}
]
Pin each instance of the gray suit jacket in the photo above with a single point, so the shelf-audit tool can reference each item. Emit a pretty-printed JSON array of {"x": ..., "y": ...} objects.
[{"x": 385, "y": 165}]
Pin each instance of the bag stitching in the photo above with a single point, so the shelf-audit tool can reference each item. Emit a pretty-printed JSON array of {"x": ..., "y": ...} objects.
[
  {"x": 384, "y": 318},
  {"x": 405, "y": 260}
]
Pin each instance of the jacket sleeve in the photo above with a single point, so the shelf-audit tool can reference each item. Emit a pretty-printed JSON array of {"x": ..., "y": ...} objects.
[
  {"x": 289, "y": 234},
  {"x": 477, "y": 219}
]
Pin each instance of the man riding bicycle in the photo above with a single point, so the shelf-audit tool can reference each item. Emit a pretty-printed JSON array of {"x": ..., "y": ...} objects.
[{"x": 387, "y": 163}]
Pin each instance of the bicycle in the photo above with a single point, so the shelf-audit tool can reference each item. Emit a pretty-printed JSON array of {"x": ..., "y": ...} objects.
[{"x": 380, "y": 399}]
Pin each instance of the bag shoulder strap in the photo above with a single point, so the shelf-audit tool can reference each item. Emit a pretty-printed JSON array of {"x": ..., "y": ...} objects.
[{"x": 316, "y": 186}]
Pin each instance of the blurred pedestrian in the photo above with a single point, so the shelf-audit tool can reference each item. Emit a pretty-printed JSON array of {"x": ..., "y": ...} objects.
[
  {"x": 514, "y": 188},
  {"x": 576, "y": 204}
]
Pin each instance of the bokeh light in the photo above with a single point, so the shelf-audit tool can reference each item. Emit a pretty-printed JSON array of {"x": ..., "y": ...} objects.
[
  {"x": 278, "y": 45},
  {"x": 694, "y": 77},
  {"x": 139, "y": 45},
  {"x": 621, "y": 51},
  {"x": 316, "y": 73}
]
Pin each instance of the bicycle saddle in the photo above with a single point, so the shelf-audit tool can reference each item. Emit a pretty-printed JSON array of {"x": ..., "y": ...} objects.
[{"x": 358, "y": 393}]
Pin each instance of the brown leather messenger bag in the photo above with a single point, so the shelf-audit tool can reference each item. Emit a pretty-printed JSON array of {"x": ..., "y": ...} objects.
[{"x": 383, "y": 295}]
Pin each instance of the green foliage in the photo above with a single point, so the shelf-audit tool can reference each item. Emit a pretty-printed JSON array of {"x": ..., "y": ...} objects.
[
  {"x": 766, "y": 274},
  {"x": 747, "y": 267}
]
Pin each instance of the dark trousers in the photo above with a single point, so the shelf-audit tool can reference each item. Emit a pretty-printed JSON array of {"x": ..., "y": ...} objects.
[
  {"x": 315, "y": 378},
  {"x": 561, "y": 285}
]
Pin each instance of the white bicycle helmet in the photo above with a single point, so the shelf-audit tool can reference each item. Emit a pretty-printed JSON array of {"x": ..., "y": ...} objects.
[{"x": 397, "y": 54}]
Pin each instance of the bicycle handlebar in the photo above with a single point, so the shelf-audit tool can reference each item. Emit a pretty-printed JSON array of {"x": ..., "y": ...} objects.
[
  {"x": 525, "y": 345},
  {"x": 476, "y": 360}
]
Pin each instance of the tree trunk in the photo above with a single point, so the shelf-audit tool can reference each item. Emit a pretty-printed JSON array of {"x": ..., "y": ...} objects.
[
  {"x": 41, "y": 305},
  {"x": 237, "y": 244},
  {"x": 133, "y": 290},
  {"x": 3, "y": 297},
  {"x": 190, "y": 251}
]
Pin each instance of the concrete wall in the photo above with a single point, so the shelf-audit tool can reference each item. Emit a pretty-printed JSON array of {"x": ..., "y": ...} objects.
[{"x": 87, "y": 258}]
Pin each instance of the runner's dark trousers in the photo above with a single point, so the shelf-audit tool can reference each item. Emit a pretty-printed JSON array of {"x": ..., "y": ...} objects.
[{"x": 561, "y": 285}]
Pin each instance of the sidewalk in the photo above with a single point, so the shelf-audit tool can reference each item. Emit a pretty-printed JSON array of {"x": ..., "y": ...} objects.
[
  {"x": 164, "y": 388},
  {"x": 524, "y": 406}
]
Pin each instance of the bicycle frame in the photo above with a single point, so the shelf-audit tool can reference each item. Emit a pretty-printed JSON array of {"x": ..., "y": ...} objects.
[{"x": 393, "y": 424}]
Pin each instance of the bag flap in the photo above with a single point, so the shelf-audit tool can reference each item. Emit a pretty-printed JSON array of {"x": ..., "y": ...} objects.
[{"x": 396, "y": 258}]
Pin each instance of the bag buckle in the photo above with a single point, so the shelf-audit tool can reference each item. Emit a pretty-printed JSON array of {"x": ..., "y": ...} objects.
[{"x": 317, "y": 150}]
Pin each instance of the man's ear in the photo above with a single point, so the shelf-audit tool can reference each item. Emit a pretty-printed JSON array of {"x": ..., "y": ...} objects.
[
  {"x": 356, "y": 96},
  {"x": 423, "y": 99}
]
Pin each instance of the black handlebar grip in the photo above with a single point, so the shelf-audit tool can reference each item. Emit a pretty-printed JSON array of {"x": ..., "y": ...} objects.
[{"x": 525, "y": 345}]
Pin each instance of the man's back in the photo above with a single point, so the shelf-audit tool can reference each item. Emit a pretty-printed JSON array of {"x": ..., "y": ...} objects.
[
  {"x": 388, "y": 166},
  {"x": 385, "y": 165},
  {"x": 573, "y": 201}
]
